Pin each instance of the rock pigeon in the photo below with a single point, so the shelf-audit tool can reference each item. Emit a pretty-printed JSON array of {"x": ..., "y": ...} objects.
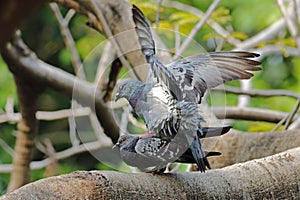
[
  {"x": 150, "y": 153},
  {"x": 176, "y": 122},
  {"x": 168, "y": 104}
]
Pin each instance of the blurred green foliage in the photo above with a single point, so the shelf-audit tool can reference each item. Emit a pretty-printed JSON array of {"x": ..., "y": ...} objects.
[{"x": 246, "y": 18}]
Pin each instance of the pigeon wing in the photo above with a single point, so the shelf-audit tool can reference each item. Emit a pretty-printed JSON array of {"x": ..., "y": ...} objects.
[
  {"x": 160, "y": 72},
  {"x": 195, "y": 74}
]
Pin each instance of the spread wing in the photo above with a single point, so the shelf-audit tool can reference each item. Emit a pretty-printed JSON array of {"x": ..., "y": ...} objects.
[
  {"x": 160, "y": 72},
  {"x": 190, "y": 77},
  {"x": 196, "y": 74}
]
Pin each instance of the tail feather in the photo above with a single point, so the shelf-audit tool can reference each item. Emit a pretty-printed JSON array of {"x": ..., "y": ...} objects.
[
  {"x": 199, "y": 155},
  {"x": 204, "y": 132}
]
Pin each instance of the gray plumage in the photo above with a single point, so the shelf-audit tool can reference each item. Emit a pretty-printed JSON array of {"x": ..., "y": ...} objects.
[
  {"x": 168, "y": 105},
  {"x": 152, "y": 154}
]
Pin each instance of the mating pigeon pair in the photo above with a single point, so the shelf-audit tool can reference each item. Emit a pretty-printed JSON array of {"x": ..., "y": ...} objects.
[{"x": 168, "y": 104}]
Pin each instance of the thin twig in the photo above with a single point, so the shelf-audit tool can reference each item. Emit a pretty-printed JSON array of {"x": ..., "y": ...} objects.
[
  {"x": 292, "y": 115},
  {"x": 48, "y": 115},
  {"x": 177, "y": 38},
  {"x": 244, "y": 100},
  {"x": 281, "y": 122},
  {"x": 6, "y": 147},
  {"x": 107, "y": 56},
  {"x": 87, "y": 147},
  {"x": 68, "y": 39},
  {"x": 158, "y": 14},
  {"x": 214, "y": 25},
  {"x": 136, "y": 123},
  {"x": 124, "y": 120},
  {"x": 110, "y": 36},
  {"x": 73, "y": 131},
  {"x": 275, "y": 49},
  {"x": 198, "y": 26},
  {"x": 257, "y": 93},
  {"x": 288, "y": 21},
  {"x": 264, "y": 35}
]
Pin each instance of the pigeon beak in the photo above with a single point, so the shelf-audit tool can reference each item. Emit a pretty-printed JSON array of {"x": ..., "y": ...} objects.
[{"x": 117, "y": 145}]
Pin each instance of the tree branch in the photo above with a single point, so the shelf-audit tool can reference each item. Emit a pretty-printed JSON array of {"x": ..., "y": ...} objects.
[
  {"x": 28, "y": 93},
  {"x": 117, "y": 14},
  {"x": 196, "y": 29},
  {"x": 276, "y": 177},
  {"x": 29, "y": 66},
  {"x": 237, "y": 147},
  {"x": 257, "y": 92},
  {"x": 253, "y": 114}
]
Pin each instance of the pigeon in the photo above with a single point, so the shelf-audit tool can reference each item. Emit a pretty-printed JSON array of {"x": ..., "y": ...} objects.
[
  {"x": 176, "y": 122},
  {"x": 168, "y": 103},
  {"x": 150, "y": 153}
]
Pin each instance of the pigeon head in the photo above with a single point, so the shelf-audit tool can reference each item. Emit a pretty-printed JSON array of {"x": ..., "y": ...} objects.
[
  {"x": 126, "y": 141},
  {"x": 126, "y": 88}
]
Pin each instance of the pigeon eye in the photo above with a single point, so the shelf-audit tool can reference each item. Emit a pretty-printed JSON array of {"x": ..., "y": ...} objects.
[{"x": 124, "y": 139}]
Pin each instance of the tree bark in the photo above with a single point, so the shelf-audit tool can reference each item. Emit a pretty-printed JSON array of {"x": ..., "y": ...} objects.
[
  {"x": 274, "y": 177},
  {"x": 119, "y": 19},
  {"x": 28, "y": 92},
  {"x": 239, "y": 147},
  {"x": 28, "y": 65}
]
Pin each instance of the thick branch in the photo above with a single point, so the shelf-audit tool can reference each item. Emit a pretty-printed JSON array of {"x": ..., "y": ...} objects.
[
  {"x": 28, "y": 65},
  {"x": 275, "y": 177},
  {"x": 118, "y": 16},
  {"x": 239, "y": 147}
]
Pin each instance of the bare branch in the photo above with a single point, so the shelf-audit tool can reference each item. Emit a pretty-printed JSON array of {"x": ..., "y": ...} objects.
[
  {"x": 109, "y": 34},
  {"x": 91, "y": 146},
  {"x": 107, "y": 56},
  {"x": 68, "y": 39},
  {"x": 28, "y": 65},
  {"x": 253, "y": 114},
  {"x": 276, "y": 49},
  {"x": 6, "y": 147},
  {"x": 198, "y": 26},
  {"x": 158, "y": 13},
  {"x": 257, "y": 93},
  {"x": 272, "y": 177},
  {"x": 288, "y": 21},
  {"x": 219, "y": 29},
  {"x": 244, "y": 100},
  {"x": 264, "y": 35},
  {"x": 292, "y": 114},
  {"x": 118, "y": 17}
]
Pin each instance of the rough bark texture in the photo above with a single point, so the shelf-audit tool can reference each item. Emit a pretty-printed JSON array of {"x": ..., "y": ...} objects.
[
  {"x": 239, "y": 147},
  {"x": 274, "y": 177},
  {"x": 118, "y": 15}
]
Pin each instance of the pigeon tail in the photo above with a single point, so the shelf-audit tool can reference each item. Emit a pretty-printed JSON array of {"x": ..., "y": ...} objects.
[
  {"x": 205, "y": 132},
  {"x": 199, "y": 155}
]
